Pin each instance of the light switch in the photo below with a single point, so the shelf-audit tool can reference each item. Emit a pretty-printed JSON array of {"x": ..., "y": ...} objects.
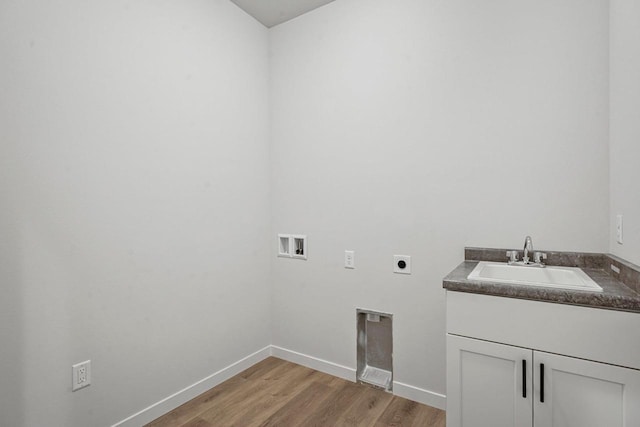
[
  {"x": 349, "y": 259},
  {"x": 619, "y": 229}
]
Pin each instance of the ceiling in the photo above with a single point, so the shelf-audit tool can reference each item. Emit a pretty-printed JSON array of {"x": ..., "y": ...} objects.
[{"x": 274, "y": 12}]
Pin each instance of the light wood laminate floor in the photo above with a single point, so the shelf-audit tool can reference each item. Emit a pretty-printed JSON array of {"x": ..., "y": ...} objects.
[{"x": 279, "y": 393}]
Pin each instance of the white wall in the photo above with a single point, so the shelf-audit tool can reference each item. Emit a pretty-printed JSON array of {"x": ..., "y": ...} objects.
[
  {"x": 134, "y": 165},
  {"x": 625, "y": 127},
  {"x": 420, "y": 127},
  {"x": 135, "y": 202}
]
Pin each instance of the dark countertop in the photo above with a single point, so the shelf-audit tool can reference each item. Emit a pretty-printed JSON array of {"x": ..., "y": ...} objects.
[{"x": 614, "y": 296}]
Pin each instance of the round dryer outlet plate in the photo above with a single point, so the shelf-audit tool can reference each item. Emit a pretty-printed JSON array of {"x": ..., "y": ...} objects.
[{"x": 402, "y": 264}]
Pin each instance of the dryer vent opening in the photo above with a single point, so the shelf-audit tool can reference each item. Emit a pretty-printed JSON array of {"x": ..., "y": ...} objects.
[{"x": 375, "y": 349}]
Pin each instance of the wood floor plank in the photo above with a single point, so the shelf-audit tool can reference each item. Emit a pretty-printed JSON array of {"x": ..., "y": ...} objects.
[
  {"x": 265, "y": 404},
  {"x": 217, "y": 396},
  {"x": 224, "y": 412},
  {"x": 198, "y": 422},
  {"x": 275, "y": 392},
  {"x": 334, "y": 406},
  {"x": 403, "y": 413},
  {"x": 330, "y": 380},
  {"x": 298, "y": 408},
  {"x": 184, "y": 413},
  {"x": 367, "y": 408},
  {"x": 431, "y": 417},
  {"x": 263, "y": 368}
]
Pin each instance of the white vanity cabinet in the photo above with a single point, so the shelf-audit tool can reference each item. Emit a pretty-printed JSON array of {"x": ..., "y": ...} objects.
[
  {"x": 581, "y": 393},
  {"x": 488, "y": 384},
  {"x": 506, "y": 367}
]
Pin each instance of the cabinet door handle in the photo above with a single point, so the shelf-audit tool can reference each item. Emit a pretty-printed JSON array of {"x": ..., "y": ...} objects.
[
  {"x": 524, "y": 378},
  {"x": 542, "y": 382}
]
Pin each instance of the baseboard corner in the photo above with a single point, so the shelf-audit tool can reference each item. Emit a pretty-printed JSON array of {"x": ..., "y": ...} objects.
[{"x": 169, "y": 403}]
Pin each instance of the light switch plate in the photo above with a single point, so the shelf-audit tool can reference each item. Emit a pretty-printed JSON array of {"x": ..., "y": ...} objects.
[
  {"x": 349, "y": 259},
  {"x": 619, "y": 229}
]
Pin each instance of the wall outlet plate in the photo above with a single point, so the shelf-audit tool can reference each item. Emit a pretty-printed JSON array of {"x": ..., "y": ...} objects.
[
  {"x": 80, "y": 375},
  {"x": 402, "y": 264}
]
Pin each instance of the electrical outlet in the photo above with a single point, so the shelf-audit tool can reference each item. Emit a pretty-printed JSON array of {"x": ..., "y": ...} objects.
[
  {"x": 402, "y": 264},
  {"x": 81, "y": 375}
]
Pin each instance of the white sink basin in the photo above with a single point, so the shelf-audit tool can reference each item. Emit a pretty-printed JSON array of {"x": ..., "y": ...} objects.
[{"x": 549, "y": 276}]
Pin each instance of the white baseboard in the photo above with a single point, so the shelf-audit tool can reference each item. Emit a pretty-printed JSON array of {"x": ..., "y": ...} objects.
[
  {"x": 170, "y": 403},
  {"x": 407, "y": 391},
  {"x": 330, "y": 368},
  {"x": 420, "y": 395}
]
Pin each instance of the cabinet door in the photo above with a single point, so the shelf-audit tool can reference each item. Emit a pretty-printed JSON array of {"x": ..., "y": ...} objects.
[
  {"x": 580, "y": 393},
  {"x": 488, "y": 384}
]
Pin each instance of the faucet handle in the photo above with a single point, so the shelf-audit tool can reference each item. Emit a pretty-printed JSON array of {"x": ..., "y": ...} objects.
[
  {"x": 538, "y": 257},
  {"x": 513, "y": 256}
]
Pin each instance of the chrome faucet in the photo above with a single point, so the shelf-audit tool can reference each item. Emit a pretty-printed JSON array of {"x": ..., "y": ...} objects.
[
  {"x": 538, "y": 257},
  {"x": 528, "y": 247}
]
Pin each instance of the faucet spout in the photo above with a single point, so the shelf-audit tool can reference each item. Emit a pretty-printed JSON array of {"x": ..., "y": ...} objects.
[{"x": 528, "y": 247}]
